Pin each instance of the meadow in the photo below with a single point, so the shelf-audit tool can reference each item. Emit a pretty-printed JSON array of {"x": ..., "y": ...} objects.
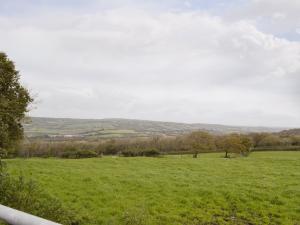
[{"x": 263, "y": 188}]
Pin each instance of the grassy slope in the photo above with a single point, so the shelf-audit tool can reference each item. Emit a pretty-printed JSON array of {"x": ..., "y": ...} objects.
[{"x": 261, "y": 189}]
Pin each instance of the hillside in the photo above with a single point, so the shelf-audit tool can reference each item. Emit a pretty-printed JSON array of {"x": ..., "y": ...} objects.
[
  {"x": 118, "y": 128},
  {"x": 290, "y": 132}
]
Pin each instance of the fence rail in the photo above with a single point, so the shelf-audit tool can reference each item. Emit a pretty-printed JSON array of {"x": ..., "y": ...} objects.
[{"x": 16, "y": 217}]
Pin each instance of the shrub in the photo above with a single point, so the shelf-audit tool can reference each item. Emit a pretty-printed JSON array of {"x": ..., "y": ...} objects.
[
  {"x": 151, "y": 152},
  {"x": 86, "y": 154},
  {"x": 69, "y": 155},
  {"x": 79, "y": 154},
  {"x": 130, "y": 153},
  {"x": 136, "y": 152}
]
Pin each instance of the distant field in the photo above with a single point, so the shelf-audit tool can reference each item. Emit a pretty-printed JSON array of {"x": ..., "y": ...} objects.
[
  {"x": 261, "y": 189},
  {"x": 55, "y": 128}
]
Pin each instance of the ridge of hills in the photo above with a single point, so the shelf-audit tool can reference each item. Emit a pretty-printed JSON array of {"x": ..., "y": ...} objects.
[{"x": 41, "y": 127}]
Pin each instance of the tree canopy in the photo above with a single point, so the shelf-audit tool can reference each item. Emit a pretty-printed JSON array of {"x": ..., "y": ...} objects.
[
  {"x": 14, "y": 102},
  {"x": 234, "y": 143},
  {"x": 201, "y": 141}
]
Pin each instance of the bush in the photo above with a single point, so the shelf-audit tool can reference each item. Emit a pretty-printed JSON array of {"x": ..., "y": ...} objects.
[
  {"x": 28, "y": 197},
  {"x": 86, "y": 154},
  {"x": 151, "y": 153},
  {"x": 110, "y": 148},
  {"x": 69, "y": 155},
  {"x": 79, "y": 154},
  {"x": 131, "y": 153},
  {"x": 136, "y": 152}
]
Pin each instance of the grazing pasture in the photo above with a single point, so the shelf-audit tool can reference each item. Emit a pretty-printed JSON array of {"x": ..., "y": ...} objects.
[{"x": 263, "y": 188}]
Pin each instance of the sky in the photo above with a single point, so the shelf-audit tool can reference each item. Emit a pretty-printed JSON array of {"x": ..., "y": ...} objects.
[{"x": 197, "y": 61}]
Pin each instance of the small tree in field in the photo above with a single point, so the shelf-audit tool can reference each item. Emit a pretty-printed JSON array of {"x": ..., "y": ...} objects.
[
  {"x": 234, "y": 143},
  {"x": 200, "y": 141},
  {"x": 248, "y": 144},
  {"x": 14, "y": 100}
]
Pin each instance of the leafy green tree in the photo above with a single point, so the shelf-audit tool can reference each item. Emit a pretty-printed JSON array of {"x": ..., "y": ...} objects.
[{"x": 14, "y": 101}]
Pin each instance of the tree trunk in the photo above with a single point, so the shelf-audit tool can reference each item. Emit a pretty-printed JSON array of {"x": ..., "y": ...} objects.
[{"x": 195, "y": 155}]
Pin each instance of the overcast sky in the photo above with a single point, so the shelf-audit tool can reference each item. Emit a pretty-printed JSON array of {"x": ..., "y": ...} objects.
[{"x": 205, "y": 61}]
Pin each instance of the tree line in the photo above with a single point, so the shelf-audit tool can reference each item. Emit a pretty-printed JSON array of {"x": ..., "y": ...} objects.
[{"x": 193, "y": 143}]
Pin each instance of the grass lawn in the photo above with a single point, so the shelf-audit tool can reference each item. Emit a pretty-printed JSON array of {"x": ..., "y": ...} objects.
[{"x": 263, "y": 188}]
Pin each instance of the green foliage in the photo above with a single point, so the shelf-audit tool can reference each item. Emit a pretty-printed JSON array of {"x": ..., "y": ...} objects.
[
  {"x": 59, "y": 149},
  {"x": 111, "y": 148},
  {"x": 193, "y": 143},
  {"x": 151, "y": 152},
  {"x": 79, "y": 154},
  {"x": 131, "y": 153},
  {"x": 69, "y": 155},
  {"x": 26, "y": 196},
  {"x": 14, "y": 100},
  {"x": 263, "y": 188},
  {"x": 86, "y": 154}
]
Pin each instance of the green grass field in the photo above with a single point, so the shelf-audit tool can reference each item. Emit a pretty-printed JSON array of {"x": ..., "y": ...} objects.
[{"x": 263, "y": 188}]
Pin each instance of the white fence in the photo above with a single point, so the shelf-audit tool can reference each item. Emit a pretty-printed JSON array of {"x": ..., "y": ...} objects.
[{"x": 15, "y": 217}]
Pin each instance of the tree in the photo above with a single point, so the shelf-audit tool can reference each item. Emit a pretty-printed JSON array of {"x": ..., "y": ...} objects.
[
  {"x": 286, "y": 141},
  {"x": 270, "y": 140},
  {"x": 14, "y": 101},
  {"x": 200, "y": 141},
  {"x": 234, "y": 143},
  {"x": 247, "y": 142},
  {"x": 295, "y": 140},
  {"x": 257, "y": 138}
]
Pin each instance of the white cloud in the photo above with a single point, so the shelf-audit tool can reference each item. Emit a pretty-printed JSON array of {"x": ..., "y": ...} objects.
[
  {"x": 175, "y": 66},
  {"x": 279, "y": 17}
]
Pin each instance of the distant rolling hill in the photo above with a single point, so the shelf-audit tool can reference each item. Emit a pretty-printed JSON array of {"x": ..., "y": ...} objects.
[
  {"x": 62, "y": 128},
  {"x": 290, "y": 132}
]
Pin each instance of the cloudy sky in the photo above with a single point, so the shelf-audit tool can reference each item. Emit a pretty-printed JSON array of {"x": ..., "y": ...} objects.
[{"x": 208, "y": 61}]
